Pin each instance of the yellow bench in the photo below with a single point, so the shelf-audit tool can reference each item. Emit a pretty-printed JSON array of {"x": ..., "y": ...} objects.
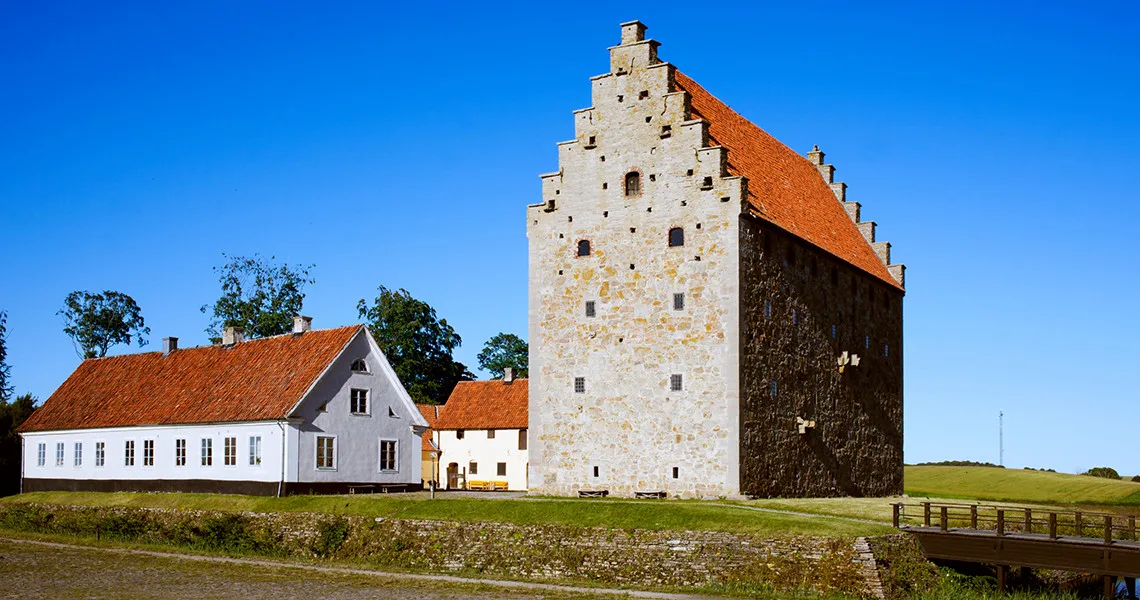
[{"x": 486, "y": 486}]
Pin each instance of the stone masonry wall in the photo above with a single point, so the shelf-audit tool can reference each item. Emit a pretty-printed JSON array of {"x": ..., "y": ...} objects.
[
  {"x": 628, "y": 431},
  {"x": 792, "y": 296},
  {"x": 633, "y": 557}
]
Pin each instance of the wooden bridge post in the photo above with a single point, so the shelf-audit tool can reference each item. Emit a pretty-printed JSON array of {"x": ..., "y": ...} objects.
[
  {"x": 1131, "y": 530},
  {"x": 1028, "y": 520},
  {"x": 895, "y": 514},
  {"x": 926, "y": 514},
  {"x": 1108, "y": 530},
  {"x": 1052, "y": 526},
  {"x": 973, "y": 516},
  {"x": 1109, "y": 588},
  {"x": 1000, "y": 522},
  {"x": 1080, "y": 522},
  {"x": 1002, "y": 574},
  {"x": 943, "y": 521}
]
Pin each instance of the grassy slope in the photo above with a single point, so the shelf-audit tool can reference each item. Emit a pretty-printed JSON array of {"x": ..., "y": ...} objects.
[
  {"x": 1013, "y": 485},
  {"x": 648, "y": 514}
]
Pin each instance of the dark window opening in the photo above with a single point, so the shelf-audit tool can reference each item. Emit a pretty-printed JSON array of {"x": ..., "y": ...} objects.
[
  {"x": 689, "y": 172},
  {"x": 706, "y": 183},
  {"x": 500, "y": 469},
  {"x": 698, "y": 225},
  {"x": 590, "y": 308},
  {"x": 676, "y": 472},
  {"x": 648, "y": 119},
  {"x": 666, "y": 131},
  {"x": 675, "y": 382},
  {"x": 579, "y": 385},
  {"x": 643, "y": 94},
  {"x": 652, "y": 177},
  {"x": 773, "y": 386},
  {"x": 834, "y": 329},
  {"x": 584, "y": 248},
  {"x": 472, "y": 468},
  {"x": 678, "y": 301},
  {"x": 725, "y": 199},
  {"x": 595, "y": 471},
  {"x": 866, "y": 341},
  {"x": 631, "y": 267},
  {"x": 767, "y": 308},
  {"x": 676, "y": 237},
  {"x": 795, "y": 317},
  {"x": 632, "y": 183},
  {"x": 633, "y": 230},
  {"x": 459, "y": 434},
  {"x": 522, "y": 439},
  {"x": 605, "y": 186},
  {"x": 593, "y": 142}
]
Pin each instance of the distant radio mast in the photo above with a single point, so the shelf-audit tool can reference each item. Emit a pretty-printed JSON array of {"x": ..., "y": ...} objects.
[{"x": 1001, "y": 438}]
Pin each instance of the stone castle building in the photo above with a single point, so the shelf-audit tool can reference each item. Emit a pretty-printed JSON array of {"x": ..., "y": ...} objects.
[{"x": 708, "y": 314}]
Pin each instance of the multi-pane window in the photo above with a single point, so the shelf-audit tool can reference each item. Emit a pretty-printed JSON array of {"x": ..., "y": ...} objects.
[
  {"x": 678, "y": 302},
  {"x": 207, "y": 452},
  {"x": 78, "y": 454},
  {"x": 59, "y": 454},
  {"x": 591, "y": 310},
  {"x": 795, "y": 317},
  {"x": 632, "y": 183},
  {"x": 180, "y": 452},
  {"x": 886, "y": 349},
  {"x": 472, "y": 468},
  {"x": 100, "y": 453},
  {"x": 579, "y": 385},
  {"x": 522, "y": 439},
  {"x": 41, "y": 455},
  {"x": 767, "y": 309},
  {"x": 129, "y": 453},
  {"x": 359, "y": 402},
  {"x": 148, "y": 453},
  {"x": 360, "y": 365},
  {"x": 675, "y": 382},
  {"x": 773, "y": 388},
  {"x": 501, "y": 469},
  {"x": 676, "y": 237},
  {"x": 229, "y": 449},
  {"x": 833, "y": 331},
  {"x": 490, "y": 434},
  {"x": 326, "y": 452},
  {"x": 254, "y": 450},
  {"x": 866, "y": 341},
  {"x": 388, "y": 455}
]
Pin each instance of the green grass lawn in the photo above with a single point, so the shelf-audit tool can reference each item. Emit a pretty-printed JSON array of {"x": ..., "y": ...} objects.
[
  {"x": 674, "y": 515},
  {"x": 1014, "y": 485}
]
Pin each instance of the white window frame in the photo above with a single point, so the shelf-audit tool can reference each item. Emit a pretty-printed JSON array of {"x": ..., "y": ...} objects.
[
  {"x": 395, "y": 468},
  {"x": 352, "y": 402},
  {"x": 41, "y": 455},
  {"x": 317, "y": 453},
  {"x": 148, "y": 453},
  {"x": 78, "y": 453},
  {"x": 229, "y": 451},
  {"x": 128, "y": 453},
  {"x": 255, "y": 450},
  {"x": 180, "y": 452},
  {"x": 100, "y": 454},
  {"x": 207, "y": 455},
  {"x": 366, "y": 371},
  {"x": 59, "y": 451}
]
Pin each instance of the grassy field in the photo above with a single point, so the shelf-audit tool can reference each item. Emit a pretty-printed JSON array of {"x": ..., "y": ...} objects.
[
  {"x": 1015, "y": 485},
  {"x": 674, "y": 515}
]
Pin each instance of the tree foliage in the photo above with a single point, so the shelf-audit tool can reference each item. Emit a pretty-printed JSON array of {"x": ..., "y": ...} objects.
[
  {"x": 95, "y": 322},
  {"x": 1106, "y": 472},
  {"x": 5, "y": 368},
  {"x": 258, "y": 295},
  {"x": 417, "y": 343},
  {"x": 12, "y": 414},
  {"x": 503, "y": 351}
]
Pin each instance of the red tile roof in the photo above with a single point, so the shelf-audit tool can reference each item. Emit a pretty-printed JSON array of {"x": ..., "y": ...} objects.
[
  {"x": 485, "y": 405},
  {"x": 251, "y": 381},
  {"x": 430, "y": 413},
  {"x": 784, "y": 188}
]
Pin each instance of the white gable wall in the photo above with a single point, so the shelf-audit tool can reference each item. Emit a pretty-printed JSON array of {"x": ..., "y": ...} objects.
[{"x": 487, "y": 452}]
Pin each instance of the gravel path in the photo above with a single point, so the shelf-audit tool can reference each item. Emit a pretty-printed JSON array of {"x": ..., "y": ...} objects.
[{"x": 37, "y": 569}]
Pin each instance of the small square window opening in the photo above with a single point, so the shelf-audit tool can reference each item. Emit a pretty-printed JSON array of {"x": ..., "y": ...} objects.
[
  {"x": 675, "y": 382},
  {"x": 590, "y": 308},
  {"x": 579, "y": 385},
  {"x": 678, "y": 301}
]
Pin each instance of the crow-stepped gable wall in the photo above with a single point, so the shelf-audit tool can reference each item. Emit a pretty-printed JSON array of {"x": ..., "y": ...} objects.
[{"x": 650, "y": 353}]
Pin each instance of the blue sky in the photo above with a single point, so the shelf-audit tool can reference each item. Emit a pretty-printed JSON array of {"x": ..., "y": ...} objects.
[{"x": 996, "y": 145}]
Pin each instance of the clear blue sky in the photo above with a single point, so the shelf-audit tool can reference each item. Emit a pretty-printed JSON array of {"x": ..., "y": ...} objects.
[{"x": 996, "y": 144}]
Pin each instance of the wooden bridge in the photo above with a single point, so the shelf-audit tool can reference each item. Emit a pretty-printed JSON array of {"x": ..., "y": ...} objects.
[{"x": 1103, "y": 544}]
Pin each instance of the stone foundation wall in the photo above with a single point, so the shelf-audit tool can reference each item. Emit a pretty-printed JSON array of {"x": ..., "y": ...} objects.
[{"x": 633, "y": 557}]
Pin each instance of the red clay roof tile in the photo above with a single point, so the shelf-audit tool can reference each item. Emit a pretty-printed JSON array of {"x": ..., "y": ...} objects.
[
  {"x": 486, "y": 405},
  {"x": 251, "y": 381},
  {"x": 784, "y": 188}
]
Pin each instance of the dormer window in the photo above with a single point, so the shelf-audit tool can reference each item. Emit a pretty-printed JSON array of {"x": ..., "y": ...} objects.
[
  {"x": 676, "y": 237},
  {"x": 359, "y": 366},
  {"x": 633, "y": 183},
  {"x": 584, "y": 248}
]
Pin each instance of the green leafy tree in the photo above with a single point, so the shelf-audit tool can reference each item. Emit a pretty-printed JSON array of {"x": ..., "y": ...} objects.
[
  {"x": 12, "y": 415},
  {"x": 258, "y": 295},
  {"x": 95, "y": 322},
  {"x": 5, "y": 368},
  {"x": 418, "y": 344},
  {"x": 1106, "y": 472},
  {"x": 505, "y": 350}
]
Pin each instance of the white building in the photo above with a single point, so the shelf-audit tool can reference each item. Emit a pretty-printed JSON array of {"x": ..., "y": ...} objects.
[
  {"x": 482, "y": 435},
  {"x": 310, "y": 411}
]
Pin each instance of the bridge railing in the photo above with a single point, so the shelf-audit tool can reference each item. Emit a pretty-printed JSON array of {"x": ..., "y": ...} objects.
[{"x": 1007, "y": 520}]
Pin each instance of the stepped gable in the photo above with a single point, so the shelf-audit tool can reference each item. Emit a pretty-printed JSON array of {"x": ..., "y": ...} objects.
[
  {"x": 250, "y": 381},
  {"x": 486, "y": 405},
  {"x": 784, "y": 188}
]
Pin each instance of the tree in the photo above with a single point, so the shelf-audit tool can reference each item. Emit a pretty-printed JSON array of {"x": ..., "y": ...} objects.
[
  {"x": 258, "y": 295},
  {"x": 95, "y": 322},
  {"x": 418, "y": 344},
  {"x": 1106, "y": 472},
  {"x": 503, "y": 351},
  {"x": 5, "y": 369},
  {"x": 12, "y": 415}
]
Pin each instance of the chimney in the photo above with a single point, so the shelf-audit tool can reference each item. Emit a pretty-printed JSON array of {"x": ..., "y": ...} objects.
[
  {"x": 508, "y": 375},
  {"x": 232, "y": 335},
  {"x": 301, "y": 324},
  {"x": 169, "y": 344}
]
